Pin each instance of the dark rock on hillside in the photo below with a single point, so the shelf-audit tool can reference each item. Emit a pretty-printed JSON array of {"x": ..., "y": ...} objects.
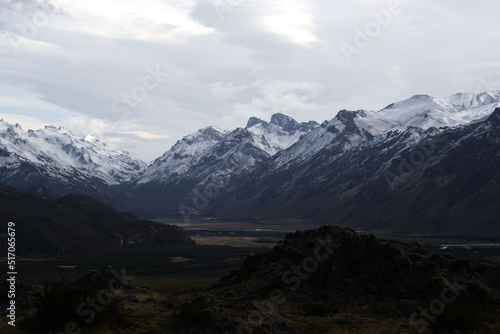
[
  {"x": 340, "y": 278},
  {"x": 495, "y": 117}
]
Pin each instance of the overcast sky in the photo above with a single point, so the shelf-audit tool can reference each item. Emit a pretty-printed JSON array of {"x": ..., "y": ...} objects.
[{"x": 142, "y": 74}]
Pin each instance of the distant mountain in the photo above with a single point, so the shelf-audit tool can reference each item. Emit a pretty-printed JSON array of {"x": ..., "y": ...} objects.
[
  {"x": 413, "y": 180},
  {"x": 424, "y": 111},
  {"x": 56, "y": 160},
  {"x": 211, "y": 149},
  {"x": 73, "y": 224},
  {"x": 209, "y": 156},
  {"x": 419, "y": 165},
  {"x": 281, "y": 133},
  {"x": 182, "y": 157}
]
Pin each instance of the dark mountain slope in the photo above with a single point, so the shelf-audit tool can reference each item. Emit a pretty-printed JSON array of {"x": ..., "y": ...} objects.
[
  {"x": 78, "y": 223},
  {"x": 428, "y": 181}
]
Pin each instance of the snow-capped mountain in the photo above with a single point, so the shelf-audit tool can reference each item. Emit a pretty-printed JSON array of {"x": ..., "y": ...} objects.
[
  {"x": 182, "y": 157},
  {"x": 475, "y": 106},
  {"x": 425, "y": 111},
  {"x": 57, "y": 155},
  {"x": 281, "y": 133},
  {"x": 260, "y": 157},
  {"x": 372, "y": 168},
  {"x": 347, "y": 130},
  {"x": 213, "y": 149},
  {"x": 413, "y": 180},
  {"x": 210, "y": 155},
  {"x": 205, "y": 152},
  {"x": 363, "y": 168}
]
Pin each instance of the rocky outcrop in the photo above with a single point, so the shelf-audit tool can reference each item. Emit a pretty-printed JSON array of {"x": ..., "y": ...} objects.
[{"x": 337, "y": 276}]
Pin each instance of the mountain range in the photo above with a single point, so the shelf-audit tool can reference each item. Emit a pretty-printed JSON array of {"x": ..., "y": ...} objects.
[
  {"x": 422, "y": 165},
  {"x": 54, "y": 160}
]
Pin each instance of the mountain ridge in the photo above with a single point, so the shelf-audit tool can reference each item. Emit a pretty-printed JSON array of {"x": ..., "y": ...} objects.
[
  {"x": 290, "y": 169},
  {"x": 55, "y": 153},
  {"x": 79, "y": 223}
]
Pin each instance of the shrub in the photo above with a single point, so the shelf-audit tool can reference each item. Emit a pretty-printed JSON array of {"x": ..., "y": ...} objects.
[
  {"x": 459, "y": 318},
  {"x": 60, "y": 302},
  {"x": 193, "y": 313},
  {"x": 266, "y": 290},
  {"x": 319, "y": 310}
]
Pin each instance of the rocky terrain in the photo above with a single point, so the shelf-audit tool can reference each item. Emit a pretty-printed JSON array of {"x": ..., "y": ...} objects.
[
  {"x": 332, "y": 280},
  {"x": 327, "y": 280}
]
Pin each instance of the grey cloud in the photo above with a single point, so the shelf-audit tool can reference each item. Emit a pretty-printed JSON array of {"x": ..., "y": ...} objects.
[
  {"x": 15, "y": 14},
  {"x": 435, "y": 48}
]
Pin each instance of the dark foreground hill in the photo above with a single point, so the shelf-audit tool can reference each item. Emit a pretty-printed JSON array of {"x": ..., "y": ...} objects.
[
  {"x": 324, "y": 281},
  {"x": 78, "y": 223},
  {"x": 332, "y": 280}
]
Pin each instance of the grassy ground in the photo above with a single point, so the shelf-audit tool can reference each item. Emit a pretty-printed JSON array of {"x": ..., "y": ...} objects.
[
  {"x": 158, "y": 267},
  {"x": 165, "y": 270},
  {"x": 174, "y": 283}
]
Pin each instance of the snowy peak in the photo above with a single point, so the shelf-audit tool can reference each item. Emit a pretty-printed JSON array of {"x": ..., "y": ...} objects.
[
  {"x": 424, "y": 111},
  {"x": 350, "y": 129},
  {"x": 90, "y": 139},
  {"x": 13, "y": 130},
  {"x": 280, "y": 133},
  {"x": 240, "y": 150},
  {"x": 363, "y": 123},
  {"x": 240, "y": 140},
  {"x": 207, "y": 150},
  {"x": 211, "y": 148},
  {"x": 194, "y": 144},
  {"x": 285, "y": 122},
  {"x": 345, "y": 131},
  {"x": 421, "y": 111},
  {"x": 58, "y": 151},
  {"x": 183, "y": 156},
  {"x": 463, "y": 101},
  {"x": 253, "y": 121},
  {"x": 209, "y": 133},
  {"x": 416, "y": 103}
]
